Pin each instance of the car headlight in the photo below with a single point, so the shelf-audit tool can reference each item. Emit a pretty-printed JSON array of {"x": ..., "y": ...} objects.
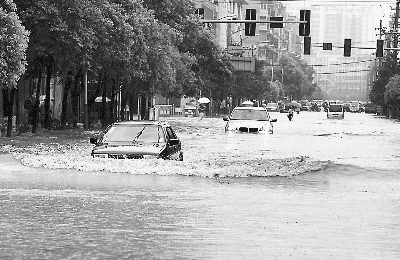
[
  {"x": 100, "y": 155},
  {"x": 148, "y": 156}
]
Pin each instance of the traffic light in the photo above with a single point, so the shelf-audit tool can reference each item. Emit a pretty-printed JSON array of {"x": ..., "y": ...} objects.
[
  {"x": 347, "y": 48},
  {"x": 379, "y": 48},
  {"x": 307, "y": 45},
  {"x": 276, "y": 23},
  {"x": 327, "y": 46},
  {"x": 250, "y": 28},
  {"x": 304, "y": 28}
]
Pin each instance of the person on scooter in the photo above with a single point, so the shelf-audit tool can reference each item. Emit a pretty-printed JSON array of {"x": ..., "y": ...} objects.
[{"x": 290, "y": 115}]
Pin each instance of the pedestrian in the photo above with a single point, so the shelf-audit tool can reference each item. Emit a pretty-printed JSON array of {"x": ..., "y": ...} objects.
[{"x": 201, "y": 111}]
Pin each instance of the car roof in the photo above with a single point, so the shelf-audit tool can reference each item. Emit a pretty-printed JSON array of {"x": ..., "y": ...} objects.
[{"x": 143, "y": 122}]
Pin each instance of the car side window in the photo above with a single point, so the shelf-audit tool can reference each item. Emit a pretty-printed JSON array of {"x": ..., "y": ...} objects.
[{"x": 170, "y": 133}]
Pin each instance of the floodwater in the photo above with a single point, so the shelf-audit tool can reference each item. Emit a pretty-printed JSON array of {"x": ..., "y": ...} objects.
[{"x": 315, "y": 189}]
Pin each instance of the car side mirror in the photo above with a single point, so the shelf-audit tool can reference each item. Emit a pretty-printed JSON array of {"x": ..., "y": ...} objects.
[
  {"x": 226, "y": 118},
  {"x": 93, "y": 140},
  {"x": 173, "y": 141},
  {"x": 273, "y": 120}
]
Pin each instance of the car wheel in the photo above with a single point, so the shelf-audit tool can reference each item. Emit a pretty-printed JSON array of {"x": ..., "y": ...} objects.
[{"x": 180, "y": 158}]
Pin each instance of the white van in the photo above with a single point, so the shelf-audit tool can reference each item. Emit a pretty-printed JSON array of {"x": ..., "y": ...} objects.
[
  {"x": 335, "y": 111},
  {"x": 354, "y": 106}
]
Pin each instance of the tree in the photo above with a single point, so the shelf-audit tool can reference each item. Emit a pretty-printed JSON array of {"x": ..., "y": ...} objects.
[
  {"x": 13, "y": 45},
  {"x": 392, "y": 94}
]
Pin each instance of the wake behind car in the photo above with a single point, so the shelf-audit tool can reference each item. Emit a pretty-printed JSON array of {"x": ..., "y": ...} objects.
[
  {"x": 138, "y": 140},
  {"x": 249, "y": 120}
]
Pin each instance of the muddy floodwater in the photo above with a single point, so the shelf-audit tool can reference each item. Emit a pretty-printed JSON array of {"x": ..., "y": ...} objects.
[{"x": 315, "y": 189}]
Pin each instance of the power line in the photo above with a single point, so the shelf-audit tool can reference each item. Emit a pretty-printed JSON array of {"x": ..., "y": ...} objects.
[
  {"x": 340, "y": 72},
  {"x": 344, "y": 63}
]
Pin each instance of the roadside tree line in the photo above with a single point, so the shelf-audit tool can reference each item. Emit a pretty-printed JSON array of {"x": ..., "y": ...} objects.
[
  {"x": 135, "y": 48},
  {"x": 385, "y": 90}
]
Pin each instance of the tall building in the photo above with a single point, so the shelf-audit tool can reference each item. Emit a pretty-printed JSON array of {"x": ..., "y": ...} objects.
[{"x": 345, "y": 78}]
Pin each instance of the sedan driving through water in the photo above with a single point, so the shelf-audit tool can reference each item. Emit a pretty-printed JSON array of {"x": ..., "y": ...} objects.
[
  {"x": 250, "y": 120},
  {"x": 138, "y": 140}
]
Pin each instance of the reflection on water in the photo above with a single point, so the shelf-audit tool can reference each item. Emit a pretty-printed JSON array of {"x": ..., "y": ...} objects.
[
  {"x": 339, "y": 212},
  {"x": 335, "y": 213}
]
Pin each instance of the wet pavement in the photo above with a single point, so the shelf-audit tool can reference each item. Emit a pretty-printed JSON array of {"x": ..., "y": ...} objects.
[{"x": 315, "y": 189}]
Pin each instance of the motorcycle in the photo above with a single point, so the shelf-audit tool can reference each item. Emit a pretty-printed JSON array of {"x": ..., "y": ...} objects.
[{"x": 290, "y": 115}]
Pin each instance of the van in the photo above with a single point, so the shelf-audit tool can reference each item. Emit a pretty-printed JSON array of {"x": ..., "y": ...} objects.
[
  {"x": 355, "y": 106},
  {"x": 335, "y": 111}
]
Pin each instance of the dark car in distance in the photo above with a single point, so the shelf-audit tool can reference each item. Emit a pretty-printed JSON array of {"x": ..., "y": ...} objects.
[
  {"x": 370, "y": 108},
  {"x": 138, "y": 140}
]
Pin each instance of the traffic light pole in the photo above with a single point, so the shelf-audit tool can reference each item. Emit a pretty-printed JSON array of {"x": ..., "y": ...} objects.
[
  {"x": 396, "y": 26},
  {"x": 249, "y": 21}
]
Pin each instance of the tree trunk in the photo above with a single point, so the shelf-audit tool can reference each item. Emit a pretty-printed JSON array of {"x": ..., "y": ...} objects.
[
  {"x": 104, "y": 107},
  {"x": 10, "y": 112},
  {"x": 92, "y": 100},
  {"x": 113, "y": 102},
  {"x": 17, "y": 110},
  {"x": 75, "y": 99},
  {"x": 5, "y": 101},
  {"x": 64, "y": 108},
  {"x": 47, "y": 100},
  {"x": 37, "y": 103}
]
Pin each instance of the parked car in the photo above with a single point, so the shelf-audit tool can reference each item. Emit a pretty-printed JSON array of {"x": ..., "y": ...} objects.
[
  {"x": 272, "y": 107},
  {"x": 138, "y": 140},
  {"x": 370, "y": 108},
  {"x": 249, "y": 120},
  {"x": 335, "y": 111}
]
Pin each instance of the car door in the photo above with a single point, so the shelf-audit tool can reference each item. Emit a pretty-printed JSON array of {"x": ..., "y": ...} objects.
[{"x": 173, "y": 144}]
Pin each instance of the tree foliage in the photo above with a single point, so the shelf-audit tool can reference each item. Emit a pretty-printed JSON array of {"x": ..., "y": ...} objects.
[
  {"x": 392, "y": 91},
  {"x": 13, "y": 44}
]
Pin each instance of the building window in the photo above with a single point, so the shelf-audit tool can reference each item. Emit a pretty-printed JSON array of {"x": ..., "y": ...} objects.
[{"x": 264, "y": 6}]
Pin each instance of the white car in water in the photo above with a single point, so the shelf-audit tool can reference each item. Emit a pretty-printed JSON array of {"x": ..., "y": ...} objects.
[
  {"x": 335, "y": 111},
  {"x": 249, "y": 120}
]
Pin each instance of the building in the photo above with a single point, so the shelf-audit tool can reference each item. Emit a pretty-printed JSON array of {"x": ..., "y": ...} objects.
[{"x": 345, "y": 78}]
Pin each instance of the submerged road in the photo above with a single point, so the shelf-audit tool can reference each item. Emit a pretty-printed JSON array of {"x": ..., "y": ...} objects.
[{"x": 315, "y": 189}]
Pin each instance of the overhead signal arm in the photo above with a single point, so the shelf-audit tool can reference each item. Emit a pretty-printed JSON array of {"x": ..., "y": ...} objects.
[{"x": 246, "y": 21}]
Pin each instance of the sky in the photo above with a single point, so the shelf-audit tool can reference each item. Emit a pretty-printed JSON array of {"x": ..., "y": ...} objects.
[{"x": 383, "y": 8}]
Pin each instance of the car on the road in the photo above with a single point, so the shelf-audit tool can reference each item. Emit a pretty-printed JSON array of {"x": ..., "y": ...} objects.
[
  {"x": 370, "y": 108},
  {"x": 138, "y": 140},
  {"x": 249, "y": 120},
  {"x": 272, "y": 107},
  {"x": 335, "y": 111},
  {"x": 355, "y": 107}
]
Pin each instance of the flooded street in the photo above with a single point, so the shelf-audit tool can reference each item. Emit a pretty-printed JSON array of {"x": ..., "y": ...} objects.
[{"x": 315, "y": 189}]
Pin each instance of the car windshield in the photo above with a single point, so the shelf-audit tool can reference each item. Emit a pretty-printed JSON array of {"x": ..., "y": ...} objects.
[
  {"x": 335, "y": 108},
  {"x": 249, "y": 114},
  {"x": 132, "y": 133},
  {"x": 271, "y": 105}
]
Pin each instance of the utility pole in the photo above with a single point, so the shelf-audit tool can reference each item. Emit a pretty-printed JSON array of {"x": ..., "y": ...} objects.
[{"x": 396, "y": 26}]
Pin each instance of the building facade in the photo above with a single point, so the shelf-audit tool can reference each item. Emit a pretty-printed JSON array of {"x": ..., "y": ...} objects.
[{"x": 344, "y": 78}]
